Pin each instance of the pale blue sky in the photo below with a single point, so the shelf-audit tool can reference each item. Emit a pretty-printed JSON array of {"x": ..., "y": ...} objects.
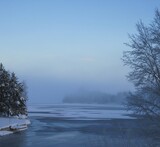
[{"x": 69, "y": 44}]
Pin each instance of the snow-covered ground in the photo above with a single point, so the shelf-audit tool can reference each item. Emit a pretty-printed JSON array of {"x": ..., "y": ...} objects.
[
  {"x": 12, "y": 122},
  {"x": 80, "y": 112}
]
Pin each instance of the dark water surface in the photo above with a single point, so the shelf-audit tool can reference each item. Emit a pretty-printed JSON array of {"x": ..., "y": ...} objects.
[{"x": 47, "y": 131}]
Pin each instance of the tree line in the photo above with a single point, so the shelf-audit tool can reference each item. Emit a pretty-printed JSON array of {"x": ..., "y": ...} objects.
[{"x": 95, "y": 97}]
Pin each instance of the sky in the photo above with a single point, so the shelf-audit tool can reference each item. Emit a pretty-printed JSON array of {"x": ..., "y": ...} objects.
[{"x": 61, "y": 46}]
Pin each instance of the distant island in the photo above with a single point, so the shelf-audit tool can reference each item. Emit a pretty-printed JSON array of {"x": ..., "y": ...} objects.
[{"x": 95, "y": 97}]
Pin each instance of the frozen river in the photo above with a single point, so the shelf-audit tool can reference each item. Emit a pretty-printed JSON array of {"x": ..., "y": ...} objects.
[
  {"x": 79, "y": 126},
  {"x": 80, "y": 112}
]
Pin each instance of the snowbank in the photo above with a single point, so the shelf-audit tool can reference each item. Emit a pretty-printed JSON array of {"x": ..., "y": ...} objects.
[{"x": 9, "y": 125}]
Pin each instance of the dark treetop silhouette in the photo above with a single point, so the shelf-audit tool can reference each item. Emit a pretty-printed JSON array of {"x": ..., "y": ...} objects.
[{"x": 144, "y": 60}]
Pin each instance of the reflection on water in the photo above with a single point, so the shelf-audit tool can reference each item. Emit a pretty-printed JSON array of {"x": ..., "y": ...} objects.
[
  {"x": 16, "y": 140},
  {"x": 58, "y": 131}
]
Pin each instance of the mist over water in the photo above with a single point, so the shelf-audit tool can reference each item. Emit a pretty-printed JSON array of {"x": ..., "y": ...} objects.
[{"x": 45, "y": 90}]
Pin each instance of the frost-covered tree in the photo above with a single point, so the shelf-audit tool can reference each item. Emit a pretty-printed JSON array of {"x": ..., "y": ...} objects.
[
  {"x": 17, "y": 100},
  {"x": 4, "y": 91},
  {"x": 13, "y": 94},
  {"x": 144, "y": 60}
]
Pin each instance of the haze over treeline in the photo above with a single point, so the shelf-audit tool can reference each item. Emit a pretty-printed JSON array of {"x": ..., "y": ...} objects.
[
  {"x": 48, "y": 90},
  {"x": 95, "y": 97}
]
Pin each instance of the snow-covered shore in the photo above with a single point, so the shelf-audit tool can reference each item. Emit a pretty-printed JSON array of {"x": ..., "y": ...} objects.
[{"x": 9, "y": 125}]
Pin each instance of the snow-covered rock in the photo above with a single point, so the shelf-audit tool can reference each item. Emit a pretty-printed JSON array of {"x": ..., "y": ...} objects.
[{"x": 8, "y": 125}]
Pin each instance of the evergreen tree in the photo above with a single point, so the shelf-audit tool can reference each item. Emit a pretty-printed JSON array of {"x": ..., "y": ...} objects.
[
  {"x": 17, "y": 100},
  {"x": 13, "y": 95},
  {"x": 4, "y": 91}
]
